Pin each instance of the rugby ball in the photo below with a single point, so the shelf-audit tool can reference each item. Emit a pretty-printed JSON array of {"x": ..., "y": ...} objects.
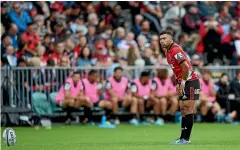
[{"x": 9, "y": 137}]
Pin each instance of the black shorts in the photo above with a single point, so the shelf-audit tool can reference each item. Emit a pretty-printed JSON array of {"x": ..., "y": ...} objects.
[
  {"x": 192, "y": 90},
  {"x": 96, "y": 104}
]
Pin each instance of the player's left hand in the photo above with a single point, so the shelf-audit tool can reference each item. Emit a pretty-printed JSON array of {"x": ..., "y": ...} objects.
[{"x": 181, "y": 89}]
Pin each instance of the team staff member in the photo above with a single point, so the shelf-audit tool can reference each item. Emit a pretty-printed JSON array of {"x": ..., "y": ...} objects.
[
  {"x": 142, "y": 89},
  {"x": 117, "y": 93},
  {"x": 71, "y": 95},
  {"x": 166, "y": 94}
]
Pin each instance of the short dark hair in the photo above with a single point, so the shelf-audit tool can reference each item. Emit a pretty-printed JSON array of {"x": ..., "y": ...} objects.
[
  {"x": 145, "y": 74},
  {"x": 92, "y": 72},
  {"x": 166, "y": 32},
  {"x": 118, "y": 68},
  {"x": 76, "y": 72}
]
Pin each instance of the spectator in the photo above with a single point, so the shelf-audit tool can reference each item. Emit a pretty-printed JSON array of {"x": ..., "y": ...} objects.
[
  {"x": 126, "y": 43},
  {"x": 111, "y": 50},
  {"x": 51, "y": 20},
  {"x": 103, "y": 9},
  {"x": 91, "y": 36},
  {"x": 115, "y": 19},
  {"x": 13, "y": 33},
  {"x": 153, "y": 12},
  {"x": 6, "y": 40},
  {"x": 40, "y": 28},
  {"x": 173, "y": 17},
  {"x": 107, "y": 32},
  {"x": 101, "y": 58},
  {"x": 137, "y": 24},
  {"x": 148, "y": 56},
  {"x": 142, "y": 42},
  {"x": 59, "y": 32},
  {"x": 145, "y": 25},
  {"x": 30, "y": 40},
  {"x": 19, "y": 17},
  {"x": 5, "y": 19},
  {"x": 132, "y": 56},
  {"x": 82, "y": 43},
  {"x": 41, "y": 54},
  {"x": 228, "y": 47},
  {"x": 93, "y": 19},
  {"x": 191, "y": 21},
  {"x": 85, "y": 57},
  {"x": 11, "y": 56},
  {"x": 118, "y": 35},
  {"x": 210, "y": 32}
]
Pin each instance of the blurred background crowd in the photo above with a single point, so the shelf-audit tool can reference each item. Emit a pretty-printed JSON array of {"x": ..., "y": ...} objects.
[
  {"x": 103, "y": 33},
  {"x": 108, "y": 34}
]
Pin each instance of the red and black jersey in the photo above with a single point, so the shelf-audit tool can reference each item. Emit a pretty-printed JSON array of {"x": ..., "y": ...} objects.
[{"x": 175, "y": 56}]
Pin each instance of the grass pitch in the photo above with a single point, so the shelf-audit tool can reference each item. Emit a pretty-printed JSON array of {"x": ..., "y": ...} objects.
[{"x": 126, "y": 137}]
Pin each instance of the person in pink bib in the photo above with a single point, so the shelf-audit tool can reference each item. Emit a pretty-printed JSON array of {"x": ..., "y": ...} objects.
[
  {"x": 166, "y": 94},
  {"x": 71, "y": 96},
  {"x": 142, "y": 90},
  {"x": 117, "y": 94},
  {"x": 209, "y": 107}
]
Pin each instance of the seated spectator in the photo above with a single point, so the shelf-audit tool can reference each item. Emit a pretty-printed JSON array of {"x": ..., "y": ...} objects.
[
  {"x": 11, "y": 56},
  {"x": 93, "y": 19},
  {"x": 91, "y": 36},
  {"x": 107, "y": 33},
  {"x": 41, "y": 54},
  {"x": 142, "y": 89},
  {"x": 101, "y": 58},
  {"x": 126, "y": 43},
  {"x": 209, "y": 108},
  {"x": 166, "y": 94},
  {"x": 40, "y": 28},
  {"x": 30, "y": 40},
  {"x": 111, "y": 50},
  {"x": 145, "y": 26},
  {"x": 191, "y": 21},
  {"x": 13, "y": 33},
  {"x": 173, "y": 17},
  {"x": 142, "y": 42},
  {"x": 115, "y": 19},
  {"x": 118, "y": 35},
  {"x": 85, "y": 58},
  {"x": 148, "y": 56},
  {"x": 71, "y": 95},
  {"x": 118, "y": 95},
  {"x": 19, "y": 17},
  {"x": 82, "y": 43},
  {"x": 136, "y": 29},
  {"x": 5, "y": 18},
  {"x": 6, "y": 41},
  {"x": 153, "y": 12}
]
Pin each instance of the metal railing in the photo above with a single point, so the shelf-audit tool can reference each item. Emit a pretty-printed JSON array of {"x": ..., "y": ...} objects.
[{"x": 18, "y": 84}]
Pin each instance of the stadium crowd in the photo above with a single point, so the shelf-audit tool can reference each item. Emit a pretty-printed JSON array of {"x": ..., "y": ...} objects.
[{"x": 110, "y": 34}]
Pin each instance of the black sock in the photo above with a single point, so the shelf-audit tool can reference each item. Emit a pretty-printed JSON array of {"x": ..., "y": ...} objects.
[
  {"x": 69, "y": 112},
  {"x": 182, "y": 128},
  {"x": 141, "y": 117},
  {"x": 108, "y": 113},
  {"x": 171, "y": 118},
  {"x": 156, "y": 117},
  {"x": 133, "y": 116},
  {"x": 188, "y": 123},
  {"x": 88, "y": 113}
]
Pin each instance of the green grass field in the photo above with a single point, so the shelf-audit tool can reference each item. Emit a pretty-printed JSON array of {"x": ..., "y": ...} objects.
[{"x": 126, "y": 137}]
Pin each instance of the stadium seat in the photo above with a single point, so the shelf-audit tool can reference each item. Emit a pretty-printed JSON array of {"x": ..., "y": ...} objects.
[
  {"x": 53, "y": 104},
  {"x": 40, "y": 104}
]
